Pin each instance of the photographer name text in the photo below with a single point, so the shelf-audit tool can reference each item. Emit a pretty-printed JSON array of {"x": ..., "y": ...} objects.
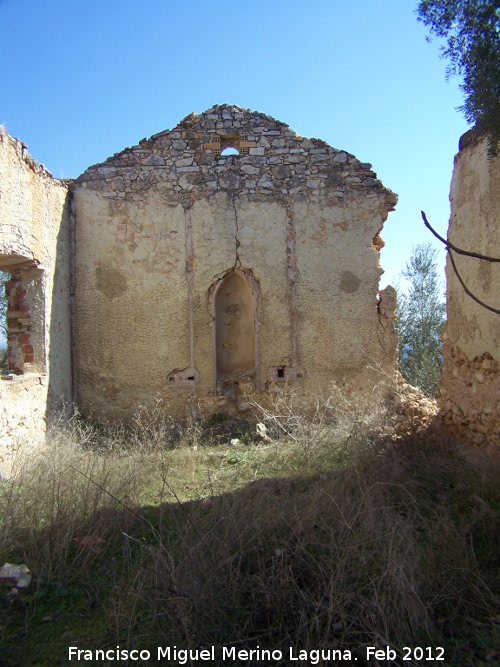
[{"x": 181, "y": 656}]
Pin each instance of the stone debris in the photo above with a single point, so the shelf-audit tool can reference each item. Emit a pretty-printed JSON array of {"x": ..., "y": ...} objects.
[
  {"x": 415, "y": 412},
  {"x": 19, "y": 575},
  {"x": 262, "y": 432}
]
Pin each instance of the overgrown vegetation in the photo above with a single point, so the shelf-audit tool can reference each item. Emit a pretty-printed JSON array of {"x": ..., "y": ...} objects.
[
  {"x": 421, "y": 317},
  {"x": 332, "y": 533},
  {"x": 471, "y": 29}
]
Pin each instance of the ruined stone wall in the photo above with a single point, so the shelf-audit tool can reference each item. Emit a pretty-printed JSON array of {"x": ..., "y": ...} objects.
[
  {"x": 34, "y": 249},
  {"x": 179, "y": 247},
  {"x": 469, "y": 395}
]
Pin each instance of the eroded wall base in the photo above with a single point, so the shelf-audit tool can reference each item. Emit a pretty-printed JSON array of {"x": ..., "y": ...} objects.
[
  {"x": 22, "y": 418},
  {"x": 469, "y": 397}
]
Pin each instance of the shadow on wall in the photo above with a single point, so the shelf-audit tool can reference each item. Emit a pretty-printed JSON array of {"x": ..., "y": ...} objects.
[{"x": 59, "y": 344}]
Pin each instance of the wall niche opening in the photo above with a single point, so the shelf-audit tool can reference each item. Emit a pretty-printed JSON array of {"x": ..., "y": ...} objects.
[
  {"x": 230, "y": 150},
  {"x": 22, "y": 313},
  {"x": 234, "y": 328}
]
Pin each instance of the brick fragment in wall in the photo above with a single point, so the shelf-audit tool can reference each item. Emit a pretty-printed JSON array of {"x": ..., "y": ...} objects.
[{"x": 19, "y": 352}]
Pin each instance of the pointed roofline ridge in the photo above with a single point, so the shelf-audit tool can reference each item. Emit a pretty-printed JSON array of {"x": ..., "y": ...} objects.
[
  {"x": 194, "y": 117},
  {"x": 232, "y": 108}
]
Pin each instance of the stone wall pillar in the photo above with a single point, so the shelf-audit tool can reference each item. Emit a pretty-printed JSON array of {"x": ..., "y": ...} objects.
[{"x": 469, "y": 395}]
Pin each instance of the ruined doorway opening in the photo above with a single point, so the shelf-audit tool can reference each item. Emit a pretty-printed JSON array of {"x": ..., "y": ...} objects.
[
  {"x": 234, "y": 310},
  {"x": 22, "y": 315}
]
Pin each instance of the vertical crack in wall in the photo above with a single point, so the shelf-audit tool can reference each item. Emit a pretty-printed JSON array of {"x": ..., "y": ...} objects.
[
  {"x": 237, "y": 261},
  {"x": 292, "y": 276},
  {"x": 188, "y": 233}
]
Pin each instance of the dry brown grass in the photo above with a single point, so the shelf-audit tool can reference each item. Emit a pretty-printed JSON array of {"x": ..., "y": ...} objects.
[{"x": 331, "y": 535}]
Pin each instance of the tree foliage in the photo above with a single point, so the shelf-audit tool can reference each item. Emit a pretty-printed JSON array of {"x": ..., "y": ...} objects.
[
  {"x": 471, "y": 29},
  {"x": 421, "y": 317}
]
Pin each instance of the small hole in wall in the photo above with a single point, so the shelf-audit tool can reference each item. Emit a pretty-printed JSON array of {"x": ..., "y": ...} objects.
[
  {"x": 230, "y": 150},
  {"x": 281, "y": 372},
  {"x": 181, "y": 378}
]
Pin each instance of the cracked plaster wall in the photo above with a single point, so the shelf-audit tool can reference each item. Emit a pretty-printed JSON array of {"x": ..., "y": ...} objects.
[
  {"x": 34, "y": 248},
  {"x": 469, "y": 395},
  {"x": 159, "y": 225}
]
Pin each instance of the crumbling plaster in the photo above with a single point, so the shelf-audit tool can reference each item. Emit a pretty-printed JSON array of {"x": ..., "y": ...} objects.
[
  {"x": 469, "y": 395},
  {"x": 159, "y": 224},
  {"x": 34, "y": 248}
]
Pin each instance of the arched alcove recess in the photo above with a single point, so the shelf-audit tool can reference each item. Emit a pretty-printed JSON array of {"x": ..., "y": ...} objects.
[{"x": 234, "y": 310}]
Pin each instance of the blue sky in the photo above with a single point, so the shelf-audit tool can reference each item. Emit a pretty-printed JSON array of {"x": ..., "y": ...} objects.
[{"x": 83, "y": 80}]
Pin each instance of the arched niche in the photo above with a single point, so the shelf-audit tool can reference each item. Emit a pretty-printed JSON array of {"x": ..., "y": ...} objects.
[{"x": 234, "y": 310}]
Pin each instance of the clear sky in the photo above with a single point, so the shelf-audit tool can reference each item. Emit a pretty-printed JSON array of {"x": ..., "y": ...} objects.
[{"x": 81, "y": 80}]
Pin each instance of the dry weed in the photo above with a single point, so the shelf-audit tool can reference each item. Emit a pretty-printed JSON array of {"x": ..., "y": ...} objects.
[{"x": 332, "y": 535}]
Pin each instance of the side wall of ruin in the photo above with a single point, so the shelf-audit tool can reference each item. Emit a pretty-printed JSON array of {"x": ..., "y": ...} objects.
[
  {"x": 469, "y": 395},
  {"x": 34, "y": 250},
  {"x": 161, "y": 227}
]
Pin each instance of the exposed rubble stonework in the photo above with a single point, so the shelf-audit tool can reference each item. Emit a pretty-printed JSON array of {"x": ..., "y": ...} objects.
[
  {"x": 204, "y": 278},
  {"x": 34, "y": 250},
  {"x": 469, "y": 395}
]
